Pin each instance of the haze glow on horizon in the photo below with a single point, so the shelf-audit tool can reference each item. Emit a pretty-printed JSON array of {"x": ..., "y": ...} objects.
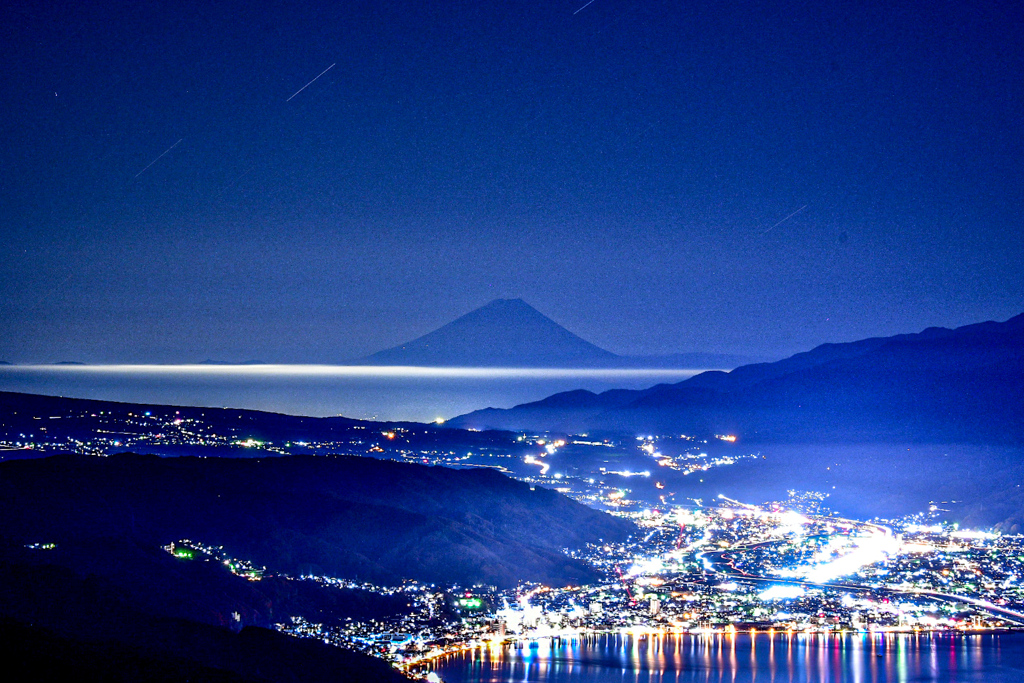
[{"x": 404, "y": 371}]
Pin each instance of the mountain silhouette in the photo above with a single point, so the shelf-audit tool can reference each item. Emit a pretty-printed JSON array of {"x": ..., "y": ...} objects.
[
  {"x": 504, "y": 333},
  {"x": 939, "y": 385},
  {"x": 512, "y": 333}
]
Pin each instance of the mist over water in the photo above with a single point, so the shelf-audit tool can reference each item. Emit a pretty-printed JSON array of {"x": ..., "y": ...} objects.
[{"x": 420, "y": 394}]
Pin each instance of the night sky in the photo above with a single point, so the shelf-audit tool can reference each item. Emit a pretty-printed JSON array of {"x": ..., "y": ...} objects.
[{"x": 658, "y": 177}]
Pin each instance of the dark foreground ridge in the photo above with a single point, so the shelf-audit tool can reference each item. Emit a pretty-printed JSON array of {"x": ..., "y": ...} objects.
[
  {"x": 64, "y": 625},
  {"x": 88, "y": 589},
  {"x": 342, "y": 516},
  {"x": 940, "y": 385}
]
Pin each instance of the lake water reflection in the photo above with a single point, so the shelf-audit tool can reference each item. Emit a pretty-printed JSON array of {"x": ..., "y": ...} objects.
[{"x": 796, "y": 658}]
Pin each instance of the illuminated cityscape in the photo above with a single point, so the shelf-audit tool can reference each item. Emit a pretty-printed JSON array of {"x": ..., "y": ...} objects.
[
  {"x": 724, "y": 569},
  {"x": 699, "y": 567},
  {"x": 711, "y": 567},
  {"x": 696, "y": 567},
  {"x": 490, "y": 342}
]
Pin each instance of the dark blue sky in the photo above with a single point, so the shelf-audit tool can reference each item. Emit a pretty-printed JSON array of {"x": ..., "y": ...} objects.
[{"x": 626, "y": 169}]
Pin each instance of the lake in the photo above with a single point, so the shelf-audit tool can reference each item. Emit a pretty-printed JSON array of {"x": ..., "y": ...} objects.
[
  {"x": 366, "y": 392},
  {"x": 742, "y": 658}
]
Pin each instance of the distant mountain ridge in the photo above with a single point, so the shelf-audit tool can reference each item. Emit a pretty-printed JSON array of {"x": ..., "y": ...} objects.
[
  {"x": 511, "y": 333},
  {"x": 959, "y": 385}
]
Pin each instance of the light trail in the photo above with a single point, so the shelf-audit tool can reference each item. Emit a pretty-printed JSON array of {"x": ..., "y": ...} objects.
[
  {"x": 785, "y": 219},
  {"x": 984, "y": 604},
  {"x": 165, "y": 153},
  {"x": 853, "y": 553},
  {"x": 583, "y": 8},
  {"x": 311, "y": 82},
  {"x": 625, "y": 584}
]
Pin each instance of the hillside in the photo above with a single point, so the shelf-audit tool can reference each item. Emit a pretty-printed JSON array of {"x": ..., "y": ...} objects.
[
  {"x": 71, "y": 625},
  {"x": 939, "y": 385},
  {"x": 103, "y": 600},
  {"x": 342, "y": 516}
]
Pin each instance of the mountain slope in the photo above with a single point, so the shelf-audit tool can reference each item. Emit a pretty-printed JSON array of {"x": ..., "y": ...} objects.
[
  {"x": 955, "y": 385},
  {"x": 67, "y": 625},
  {"x": 505, "y": 332},
  {"x": 511, "y": 333},
  {"x": 343, "y": 516}
]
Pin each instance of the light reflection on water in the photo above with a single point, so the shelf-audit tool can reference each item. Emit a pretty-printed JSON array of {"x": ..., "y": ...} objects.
[
  {"x": 368, "y": 392},
  {"x": 789, "y": 658}
]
